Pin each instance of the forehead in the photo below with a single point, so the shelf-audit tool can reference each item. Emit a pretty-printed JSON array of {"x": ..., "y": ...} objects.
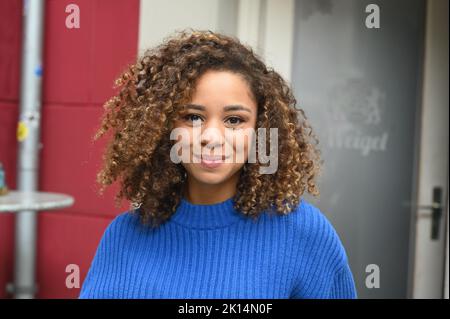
[{"x": 220, "y": 88}]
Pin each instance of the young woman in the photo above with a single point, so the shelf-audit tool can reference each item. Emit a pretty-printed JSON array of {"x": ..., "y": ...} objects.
[{"x": 214, "y": 227}]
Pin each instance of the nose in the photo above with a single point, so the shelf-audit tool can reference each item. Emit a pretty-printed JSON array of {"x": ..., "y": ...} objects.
[{"x": 212, "y": 138}]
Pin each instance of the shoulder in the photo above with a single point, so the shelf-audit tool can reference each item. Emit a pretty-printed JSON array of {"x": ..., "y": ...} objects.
[
  {"x": 316, "y": 235},
  {"x": 310, "y": 219},
  {"x": 121, "y": 219},
  {"x": 121, "y": 230},
  {"x": 121, "y": 225}
]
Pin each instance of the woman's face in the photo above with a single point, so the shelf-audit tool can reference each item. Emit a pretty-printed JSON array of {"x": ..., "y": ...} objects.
[{"x": 218, "y": 121}]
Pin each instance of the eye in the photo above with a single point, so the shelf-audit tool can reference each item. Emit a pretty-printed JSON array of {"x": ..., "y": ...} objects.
[
  {"x": 192, "y": 118},
  {"x": 234, "y": 120}
]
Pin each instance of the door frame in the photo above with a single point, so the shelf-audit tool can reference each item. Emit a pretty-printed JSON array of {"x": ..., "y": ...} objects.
[{"x": 427, "y": 266}]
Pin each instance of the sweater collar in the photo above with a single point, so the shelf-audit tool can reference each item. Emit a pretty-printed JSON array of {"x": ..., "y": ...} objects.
[{"x": 206, "y": 216}]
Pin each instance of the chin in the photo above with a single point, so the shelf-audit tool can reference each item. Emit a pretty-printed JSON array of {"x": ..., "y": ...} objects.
[{"x": 212, "y": 178}]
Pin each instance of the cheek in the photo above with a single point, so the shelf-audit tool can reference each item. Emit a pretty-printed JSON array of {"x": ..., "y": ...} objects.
[{"x": 186, "y": 136}]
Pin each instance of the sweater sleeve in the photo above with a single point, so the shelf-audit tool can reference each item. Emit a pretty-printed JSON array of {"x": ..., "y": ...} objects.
[
  {"x": 321, "y": 268},
  {"x": 343, "y": 286},
  {"x": 93, "y": 285},
  {"x": 96, "y": 269}
]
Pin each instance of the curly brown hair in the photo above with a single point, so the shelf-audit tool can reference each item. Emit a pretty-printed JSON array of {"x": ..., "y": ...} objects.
[{"x": 150, "y": 95}]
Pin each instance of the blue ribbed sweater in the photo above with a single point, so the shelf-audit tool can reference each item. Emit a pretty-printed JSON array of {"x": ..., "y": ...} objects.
[{"x": 213, "y": 251}]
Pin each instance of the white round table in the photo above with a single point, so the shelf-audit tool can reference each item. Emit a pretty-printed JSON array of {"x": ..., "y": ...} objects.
[
  {"x": 25, "y": 203},
  {"x": 16, "y": 201}
]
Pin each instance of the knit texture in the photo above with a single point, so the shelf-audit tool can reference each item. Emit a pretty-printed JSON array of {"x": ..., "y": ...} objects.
[{"x": 214, "y": 251}]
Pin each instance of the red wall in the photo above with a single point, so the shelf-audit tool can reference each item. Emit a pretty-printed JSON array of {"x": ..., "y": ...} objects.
[{"x": 80, "y": 66}]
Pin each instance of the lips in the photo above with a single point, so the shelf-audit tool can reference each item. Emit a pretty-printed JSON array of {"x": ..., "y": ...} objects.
[
  {"x": 211, "y": 158},
  {"x": 210, "y": 161}
]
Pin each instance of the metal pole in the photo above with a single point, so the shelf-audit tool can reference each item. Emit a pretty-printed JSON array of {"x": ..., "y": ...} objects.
[{"x": 29, "y": 145}]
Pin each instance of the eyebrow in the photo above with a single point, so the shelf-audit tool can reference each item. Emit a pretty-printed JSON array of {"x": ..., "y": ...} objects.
[{"x": 227, "y": 108}]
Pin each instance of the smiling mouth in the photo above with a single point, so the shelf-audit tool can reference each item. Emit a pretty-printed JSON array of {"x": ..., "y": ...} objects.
[{"x": 211, "y": 158}]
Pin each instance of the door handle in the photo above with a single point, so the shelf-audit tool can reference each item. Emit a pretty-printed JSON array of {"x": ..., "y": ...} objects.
[{"x": 434, "y": 212}]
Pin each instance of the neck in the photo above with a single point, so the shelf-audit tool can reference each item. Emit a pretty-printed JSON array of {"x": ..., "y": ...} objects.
[{"x": 197, "y": 192}]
